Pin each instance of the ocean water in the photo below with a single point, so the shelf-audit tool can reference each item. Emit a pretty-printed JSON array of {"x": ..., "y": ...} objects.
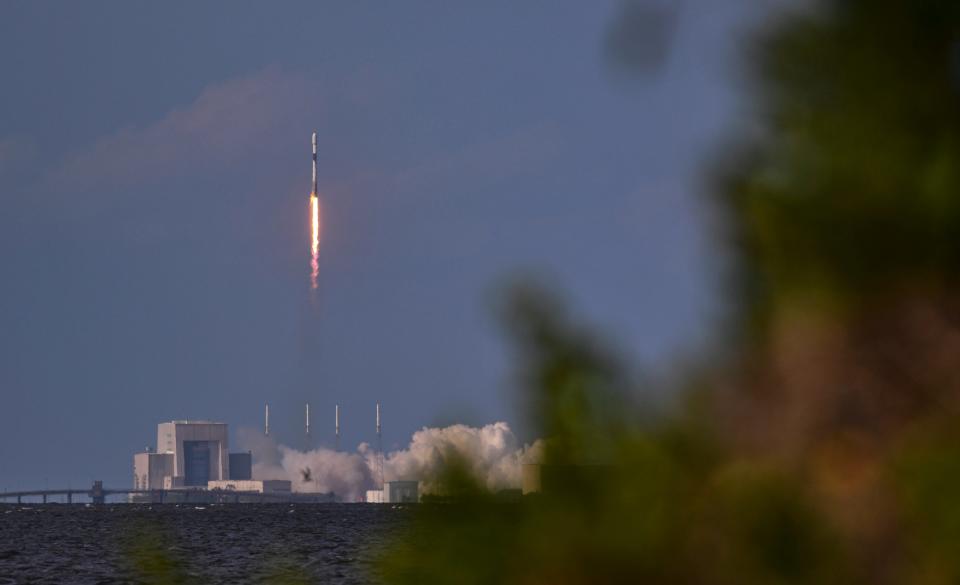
[{"x": 232, "y": 543}]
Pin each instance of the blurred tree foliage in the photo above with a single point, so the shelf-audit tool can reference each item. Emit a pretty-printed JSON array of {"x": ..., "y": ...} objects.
[
  {"x": 825, "y": 448},
  {"x": 851, "y": 186}
]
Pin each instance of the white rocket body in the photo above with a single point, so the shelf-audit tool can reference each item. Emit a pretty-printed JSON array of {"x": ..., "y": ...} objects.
[
  {"x": 313, "y": 190},
  {"x": 266, "y": 419}
]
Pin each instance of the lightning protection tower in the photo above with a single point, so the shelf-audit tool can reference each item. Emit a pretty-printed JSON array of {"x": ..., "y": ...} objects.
[{"x": 379, "y": 448}]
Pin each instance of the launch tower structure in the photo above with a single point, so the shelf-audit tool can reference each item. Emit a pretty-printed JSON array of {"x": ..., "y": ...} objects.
[{"x": 379, "y": 448}]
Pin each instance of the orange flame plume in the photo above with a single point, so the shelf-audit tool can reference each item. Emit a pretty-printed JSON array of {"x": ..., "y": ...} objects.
[{"x": 315, "y": 240}]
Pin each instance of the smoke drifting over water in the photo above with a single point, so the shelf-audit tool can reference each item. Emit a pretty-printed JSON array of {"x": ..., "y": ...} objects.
[{"x": 492, "y": 453}]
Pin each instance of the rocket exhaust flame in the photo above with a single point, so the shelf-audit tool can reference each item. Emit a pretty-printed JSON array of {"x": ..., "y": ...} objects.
[
  {"x": 315, "y": 240},
  {"x": 314, "y": 222}
]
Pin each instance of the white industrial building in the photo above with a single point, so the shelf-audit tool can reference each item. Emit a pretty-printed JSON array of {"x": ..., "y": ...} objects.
[
  {"x": 199, "y": 449},
  {"x": 150, "y": 469},
  {"x": 189, "y": 454},
  {"x": 395, "y": 492},
  {"x": 192, "y": 462},
  {"x": 260, "y": 486}
]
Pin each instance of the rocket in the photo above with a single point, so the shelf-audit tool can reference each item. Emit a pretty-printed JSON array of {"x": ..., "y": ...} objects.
[
  {"x": 314, "y": 221},
  {"x": 313, "y": 191},
  {"x": 308, "y": 420}
]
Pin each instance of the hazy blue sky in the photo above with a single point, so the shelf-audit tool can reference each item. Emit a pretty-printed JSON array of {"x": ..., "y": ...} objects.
[{"x": 154, "y": 172}]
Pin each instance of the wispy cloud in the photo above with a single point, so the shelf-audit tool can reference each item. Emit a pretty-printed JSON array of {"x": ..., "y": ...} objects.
[{"x": 227, "y": 122}]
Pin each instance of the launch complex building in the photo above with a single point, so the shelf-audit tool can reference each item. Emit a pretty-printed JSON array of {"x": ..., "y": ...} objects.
[
  {"x": 194, "y": 456},
  {"x": 192, "y": 462}
]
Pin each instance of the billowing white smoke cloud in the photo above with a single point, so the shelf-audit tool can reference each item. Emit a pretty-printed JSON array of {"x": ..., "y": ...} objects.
[
  {"x": 320, "y": 470},
  {"x": 492, "y": 453}
]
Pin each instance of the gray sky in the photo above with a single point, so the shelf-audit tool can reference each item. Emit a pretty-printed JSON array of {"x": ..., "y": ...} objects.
[{"x": 154, "y": 172}]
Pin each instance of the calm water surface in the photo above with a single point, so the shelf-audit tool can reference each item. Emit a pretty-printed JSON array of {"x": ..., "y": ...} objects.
[{"x": 234, "y": 543}]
